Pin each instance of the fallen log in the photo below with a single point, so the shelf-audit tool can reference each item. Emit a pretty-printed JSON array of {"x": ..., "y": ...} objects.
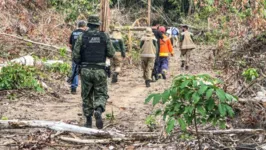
[
  {"x": 94, "y": 141},
  {"x": 231, "y": 131},
  {"x": 57, "y": 126}
]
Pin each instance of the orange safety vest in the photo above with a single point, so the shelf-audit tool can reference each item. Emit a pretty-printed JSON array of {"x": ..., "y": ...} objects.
[{"x": 165, "y": 47}]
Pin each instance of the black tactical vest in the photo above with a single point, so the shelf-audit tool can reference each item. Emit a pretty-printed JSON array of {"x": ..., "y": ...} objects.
[{"x": 94, "y": 47}]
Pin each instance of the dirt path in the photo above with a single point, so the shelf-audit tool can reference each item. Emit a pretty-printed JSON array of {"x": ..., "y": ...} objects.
[{"x": 126, "y": 100}]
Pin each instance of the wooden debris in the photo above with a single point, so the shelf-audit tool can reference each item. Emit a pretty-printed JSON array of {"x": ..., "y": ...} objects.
[
  {"x": 94, "y": 141},
  {"x": 57, "y": 126},
  {"x": 232, "y": 131}
]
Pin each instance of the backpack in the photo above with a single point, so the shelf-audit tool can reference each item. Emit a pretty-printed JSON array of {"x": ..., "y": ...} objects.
[{"x": 175, "y": 31}]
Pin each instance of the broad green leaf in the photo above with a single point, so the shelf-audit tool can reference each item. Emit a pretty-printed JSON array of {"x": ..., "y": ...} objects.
[
  {"x": 210, "y": 104},
  {"x": 158, "y": 112},
  {"x": 156, "y": 99},
  {"x": 182, "y": 124},
  {"x": 222, "y": 110},
  {"x": 177, "y": 106},
  {"x": 221, "y": 95},
  {"x": 209, "y": 93},
  {"x": 202, "y": 89},
  {"x": 210, "y": 2},
  {"x": 230, "y": 111},
  {"x": 170, "y": 125},
  {"x": 222, "y": 124},
  {"x": 165, "y": 96},
  {"x": 149, "y": 98},
  {"x": 201, "y": 110},
  {"x": 174, "y": 92},
  {"x": 229, "y": 97},
  {"x": 184, "y": 84},
  {"x": 195, "y": 98}
]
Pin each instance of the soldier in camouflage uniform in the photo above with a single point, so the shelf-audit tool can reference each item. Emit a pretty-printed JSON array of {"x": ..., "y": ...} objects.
[
  {"x": 118, "y": 43},
  {"x": 90, "y": 52}
]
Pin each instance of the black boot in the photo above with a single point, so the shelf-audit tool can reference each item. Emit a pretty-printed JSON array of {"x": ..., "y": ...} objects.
[
  {"x": 187, "y": 67},
  {"x": 182, "y": 63},
  {"x": 98, "y": 117},
  {"x": 114, "y": 77},
  {"x": 88, "y": 123},
  {"x": 73, "y": 91},
  {"x": 148, "y": 83}
]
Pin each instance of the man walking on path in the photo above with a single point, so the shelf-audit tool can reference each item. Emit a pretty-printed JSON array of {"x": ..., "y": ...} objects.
[
  {"x": 82, "y": 27},
  {"x": 165, "y": 48},
  {"x": 159, "y": 36},
  {"x": 186, "y": 46},
  {"x": 172, "y": 33},
  {"x": 90, "y": 52},
  {"x": 149, "y": 50},
  {"x": 118, "y": 43}
]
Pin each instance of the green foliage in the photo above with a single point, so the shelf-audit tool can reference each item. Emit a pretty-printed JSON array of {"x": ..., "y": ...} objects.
[
  {"x": 62, "y": 68},
  {"x": 110, "y": 116},
  {"x": 193, "y": 97},
  {"x": 250, "y": 74},
  {"x": 4, "y": 118},
  {"x": 63, "y": 52},
  {"x": 16, "y": 76},
  {"x": 73, "y": 9},
  {"x": 151, "y": 122},
  {"x": 12, "y": 96}
]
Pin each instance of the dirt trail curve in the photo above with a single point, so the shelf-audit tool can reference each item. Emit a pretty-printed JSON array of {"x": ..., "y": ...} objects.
[{"x": 126, "y": 100}]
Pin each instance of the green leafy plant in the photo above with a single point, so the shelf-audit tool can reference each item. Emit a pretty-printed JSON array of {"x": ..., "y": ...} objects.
[
  {"x": 193, "y": 100},
  {"x": 63, "y": 52},
  {"x": 62, "y": 68},
  {"x": 4, "y": 118},
  {"x": 151, "y": 122},
  {"x": 12, "y": 96},
  {"x": 250, "y": 74},
  {"x": 73, "y": 9},
  {"x": 110, "y": 116},
  {"x": 16, "y": 76}
]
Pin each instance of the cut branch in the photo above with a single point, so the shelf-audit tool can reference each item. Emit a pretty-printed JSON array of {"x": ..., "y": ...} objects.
[
  {"x": 94, "y": 141},
  {"x": 231, "y": 131},
  {"x": 57, "y": 126},
  {"x": 33, "y": 42}
]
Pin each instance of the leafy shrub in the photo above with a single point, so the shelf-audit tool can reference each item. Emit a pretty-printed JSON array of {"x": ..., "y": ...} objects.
[
  {"x": 193, "y": 99},
  {"x": 74, "y": 8},
  {"x": 16, "y": 76},
  {"x": 62, "y": 68},
  {"x": 250, "y": 74},
  {"x": 194, "y": 96}
]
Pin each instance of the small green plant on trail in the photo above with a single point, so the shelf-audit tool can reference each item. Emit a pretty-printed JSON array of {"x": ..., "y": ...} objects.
[
  {"x": 4, "y": 118},
  {"x": 62, "y": 68},
  {"x": 63, "y": 52},
  {"x": 250, "y": 74},
  {"x": 16, "y": 76},
  {"x": 151, "y": 122},
  {"x": 193, "y": 100},
  {"x": 110, "y": 116}
]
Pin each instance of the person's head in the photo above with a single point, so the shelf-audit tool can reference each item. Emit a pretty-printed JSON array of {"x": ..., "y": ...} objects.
[
  {"x": 185, "y": 27},
  {"x": 82, "y": 24},
  {"x": 94, "y": 22},
  {"x": 149, "y": 32},
  {"x": 155, "y": 24},
  {"x": 162, "y": 29},
  {"x": 116, "y": 33}
]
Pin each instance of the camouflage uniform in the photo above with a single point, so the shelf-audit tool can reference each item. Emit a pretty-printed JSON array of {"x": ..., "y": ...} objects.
[
  {"x": 119, "y": 47},
  {"x": 93, "y": 76}
]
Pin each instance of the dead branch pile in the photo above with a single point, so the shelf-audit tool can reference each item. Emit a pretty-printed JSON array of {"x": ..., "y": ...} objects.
[
  {"x": 33, "y": 22},
  {"x": 248, "y": 54}
]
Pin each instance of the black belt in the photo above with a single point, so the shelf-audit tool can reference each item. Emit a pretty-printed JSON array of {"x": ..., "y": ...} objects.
[{"x": 92, "y": 66}]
